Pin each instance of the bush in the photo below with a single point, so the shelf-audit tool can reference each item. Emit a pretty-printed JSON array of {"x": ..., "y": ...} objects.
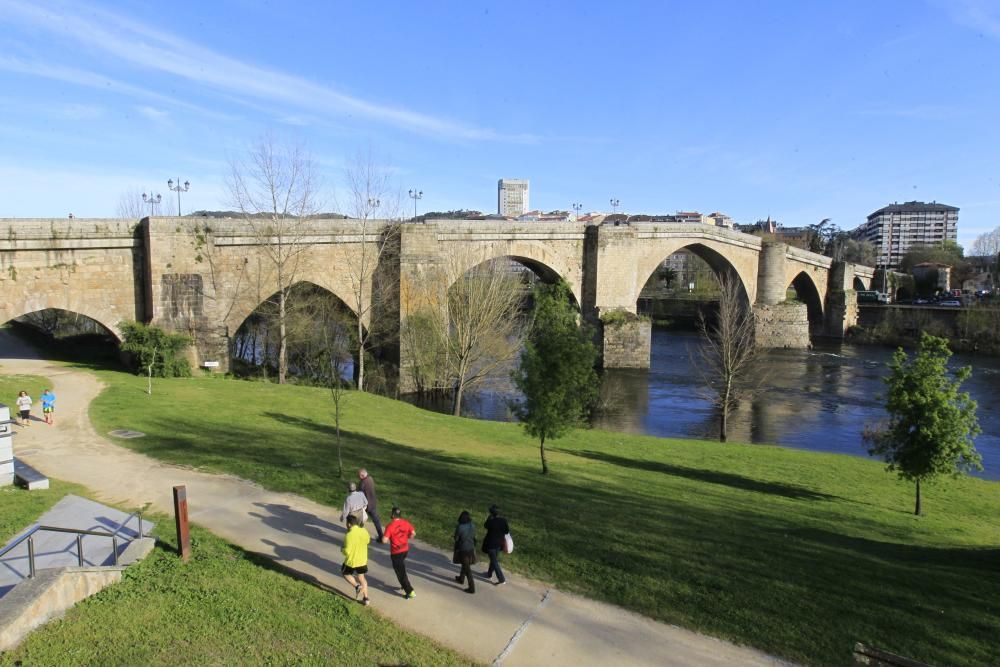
[{"x": 147, "y": 345}]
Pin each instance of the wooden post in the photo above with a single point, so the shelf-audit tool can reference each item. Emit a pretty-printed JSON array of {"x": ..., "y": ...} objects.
[{"x": 181, "y": 516}]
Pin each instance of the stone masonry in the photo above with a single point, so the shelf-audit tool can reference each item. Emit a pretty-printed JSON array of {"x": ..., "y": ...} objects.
[{"x": 204, "y": 276}]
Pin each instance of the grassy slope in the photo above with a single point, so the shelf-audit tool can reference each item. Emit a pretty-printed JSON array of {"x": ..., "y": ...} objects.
[
  {"x": 225, "y": 607},
  {"x": 797, "y": 553}
]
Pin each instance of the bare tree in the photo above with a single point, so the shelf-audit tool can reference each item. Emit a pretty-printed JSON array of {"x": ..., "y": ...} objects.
[
  {"x": 466, "y": 327},
  {"x": 131, "y": 206},
  {"x": 987, "y": 244},
  {"x": 374, "y": 203},
  {"x": 275, "y": 189},
  {"x": 728, "y": 352}
]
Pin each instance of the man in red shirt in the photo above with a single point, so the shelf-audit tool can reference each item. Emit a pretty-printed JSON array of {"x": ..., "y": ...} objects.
[{"x": 398, "y": 534}]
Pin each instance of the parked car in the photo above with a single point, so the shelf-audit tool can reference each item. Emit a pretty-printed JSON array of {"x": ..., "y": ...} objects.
[{"x": 950, "y": 302}]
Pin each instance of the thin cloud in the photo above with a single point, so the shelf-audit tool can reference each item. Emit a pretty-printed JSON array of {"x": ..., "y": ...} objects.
[
  {"x": 158, "y": 116},
  {"x": 916, "y": 111},
  {"x": 982, "y": 16},
  {"x": 135, "y": 43}
]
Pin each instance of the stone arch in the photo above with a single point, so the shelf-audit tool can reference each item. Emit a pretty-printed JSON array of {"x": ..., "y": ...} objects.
[
  {"x": 859, "y": 284},
  {"x": 246, "y": 307},
  {"x": 808, "y": 293},
  {"x": 104, "y": 317},
  {"x": 541, "y": 259},
  {"x": 713, "y": 253}
]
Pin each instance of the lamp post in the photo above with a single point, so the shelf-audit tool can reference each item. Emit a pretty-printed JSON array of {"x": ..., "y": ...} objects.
[
  {"x": 415, "y": 195},
  {"x": 152, "y": 200},
  {"x": 178, "y": 189},
  {"x": 615, "y": 203},
  {"x": 373, "y": 203},
  {"x": 577, "y": 208}
]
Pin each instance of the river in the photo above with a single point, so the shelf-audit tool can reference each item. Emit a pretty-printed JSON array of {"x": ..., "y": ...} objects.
[{"x": 817, "y": 399}]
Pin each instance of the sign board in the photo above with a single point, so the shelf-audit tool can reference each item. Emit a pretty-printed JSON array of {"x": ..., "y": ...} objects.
[{"x": 210, "y": 364}]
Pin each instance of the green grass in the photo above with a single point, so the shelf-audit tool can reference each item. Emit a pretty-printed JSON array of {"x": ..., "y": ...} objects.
[
  {"x": 800, "y": 554},
  {"x": 225, "y": 606},
  {"x": 10, "y": 385}
]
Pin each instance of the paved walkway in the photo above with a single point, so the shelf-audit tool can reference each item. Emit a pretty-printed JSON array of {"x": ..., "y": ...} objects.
[{"x": 523, "y": 623}]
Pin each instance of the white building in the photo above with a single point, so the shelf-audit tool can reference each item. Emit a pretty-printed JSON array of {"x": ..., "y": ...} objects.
[
  {"x": 894, "y": 229},
  {"x": 512, "y": 197}
]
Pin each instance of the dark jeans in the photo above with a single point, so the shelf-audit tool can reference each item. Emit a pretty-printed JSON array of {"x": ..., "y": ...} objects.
[
  {"x": 466, "y": 558},
  {"x": 373, "y": 517},
  {"x": 399, "y": 565},
  {"x": 495, "y": 565}
]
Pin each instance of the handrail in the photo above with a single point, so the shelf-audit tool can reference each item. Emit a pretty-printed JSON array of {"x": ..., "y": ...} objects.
[
  {"x": 29, "y": 537},
  {"x": 121, "y": 526}
]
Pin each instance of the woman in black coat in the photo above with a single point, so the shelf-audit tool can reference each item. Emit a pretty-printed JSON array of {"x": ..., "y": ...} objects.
[
  {"x": 494, "y": 542},
  {"x": 465, "y": 549}
]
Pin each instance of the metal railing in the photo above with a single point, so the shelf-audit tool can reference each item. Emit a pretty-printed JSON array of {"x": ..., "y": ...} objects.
[{"x": 29, "y": 537}]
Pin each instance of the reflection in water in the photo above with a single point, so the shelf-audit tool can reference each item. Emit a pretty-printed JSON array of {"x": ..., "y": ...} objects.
[{"x": 817, "y": 399}]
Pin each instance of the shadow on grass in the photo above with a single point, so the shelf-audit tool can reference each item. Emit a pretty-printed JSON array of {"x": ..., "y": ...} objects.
[
  {"x": 784, "y": 573},
  {"x": 710, "y": 476}
]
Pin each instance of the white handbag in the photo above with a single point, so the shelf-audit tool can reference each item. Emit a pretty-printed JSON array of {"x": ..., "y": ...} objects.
[{"x": 508, "y": 544}]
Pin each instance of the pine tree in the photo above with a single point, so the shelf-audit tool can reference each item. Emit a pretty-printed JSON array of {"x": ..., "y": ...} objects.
[{"x": 556, "y": 374}]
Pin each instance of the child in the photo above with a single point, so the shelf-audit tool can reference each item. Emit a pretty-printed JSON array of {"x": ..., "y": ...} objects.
[{"x": 48, "y": 406}]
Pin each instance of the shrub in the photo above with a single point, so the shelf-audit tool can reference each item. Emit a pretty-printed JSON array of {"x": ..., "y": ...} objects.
[{"x": 147, "y": 344}]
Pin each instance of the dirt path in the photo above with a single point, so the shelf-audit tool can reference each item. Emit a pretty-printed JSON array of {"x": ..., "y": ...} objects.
[{"x": 522, "y": 623}]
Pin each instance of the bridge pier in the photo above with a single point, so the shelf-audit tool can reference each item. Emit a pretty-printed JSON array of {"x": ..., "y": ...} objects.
[{"x": 777, "y": 322}]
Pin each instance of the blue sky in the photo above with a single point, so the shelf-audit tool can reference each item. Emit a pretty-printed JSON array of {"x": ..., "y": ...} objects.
[{"x": 797, "y": 110}]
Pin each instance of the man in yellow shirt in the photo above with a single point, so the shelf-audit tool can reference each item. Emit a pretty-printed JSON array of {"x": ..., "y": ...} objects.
[{"x": 355, "y": 552}]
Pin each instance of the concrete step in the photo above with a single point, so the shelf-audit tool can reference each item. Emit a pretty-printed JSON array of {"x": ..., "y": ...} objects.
[
  {"x": 54, "y": 550},
  {"x": 29, "y": 478}
]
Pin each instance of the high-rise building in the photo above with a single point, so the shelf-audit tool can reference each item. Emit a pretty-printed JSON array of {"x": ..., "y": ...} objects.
[
  {"x": 512, "y": 197},
  {"x": 894, "y": 229}
]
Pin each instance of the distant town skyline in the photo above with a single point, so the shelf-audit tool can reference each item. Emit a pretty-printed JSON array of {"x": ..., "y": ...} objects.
[{"x": 797, "y": 111}]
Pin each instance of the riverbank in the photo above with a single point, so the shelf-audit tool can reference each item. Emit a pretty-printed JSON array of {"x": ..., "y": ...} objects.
[{"x": 798, "y": 554}]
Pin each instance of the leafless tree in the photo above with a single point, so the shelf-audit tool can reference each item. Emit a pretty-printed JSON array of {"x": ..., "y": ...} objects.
[
  {"x": 275, "y": 189},
  {"x": 374, "y": 203},
  {"x": 987, "y": 244},
  {"x": 468, "y": 325},
  {"x": 728, "y": 353},
  {"x": 132, "y": 207}
]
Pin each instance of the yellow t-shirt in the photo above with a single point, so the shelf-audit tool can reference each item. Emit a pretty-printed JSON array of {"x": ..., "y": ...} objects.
[{"x": 355, "y": 547}]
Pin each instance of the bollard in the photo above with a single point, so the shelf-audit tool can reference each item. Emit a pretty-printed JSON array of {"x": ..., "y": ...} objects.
[{"x": 181, "y": 516}]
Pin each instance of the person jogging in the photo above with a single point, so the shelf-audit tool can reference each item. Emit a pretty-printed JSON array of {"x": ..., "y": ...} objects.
[
  {"x": 48, "y": 406},
  {"x": 24, "y": 407},
  {"x": 397, "y": 535},
  {"x": 355, "y": 552}
]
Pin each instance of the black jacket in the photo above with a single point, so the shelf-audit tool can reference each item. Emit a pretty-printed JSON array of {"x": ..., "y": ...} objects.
[{"x": 496, "y": 528}]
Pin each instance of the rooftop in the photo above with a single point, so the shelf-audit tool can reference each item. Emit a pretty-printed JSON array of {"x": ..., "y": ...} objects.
[{"x": 914, "y": 207}]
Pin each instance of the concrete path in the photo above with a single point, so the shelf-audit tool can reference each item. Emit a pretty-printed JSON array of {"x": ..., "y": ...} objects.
[
  {"x": 54, "y": 549},
  {"x": 523, "y": 623}
]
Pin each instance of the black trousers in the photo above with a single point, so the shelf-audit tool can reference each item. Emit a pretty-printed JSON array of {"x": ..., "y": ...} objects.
[
  {"x": 399, "y": 565},
  {"x": 374, "y": 518},
  {"x": 467, "y": 558}
]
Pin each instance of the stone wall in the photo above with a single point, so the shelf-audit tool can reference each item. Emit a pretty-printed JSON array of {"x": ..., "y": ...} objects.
[
  {"x": 626, "y": 343},
  {"x": 781, "y": 325}
]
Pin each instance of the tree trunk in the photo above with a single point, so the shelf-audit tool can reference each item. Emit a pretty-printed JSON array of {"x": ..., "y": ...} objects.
[
  {"x": 361, "y": 358},
  {"x": 340, "y": 460},
  {"x": 282, "y": 341},
  {"x": 545, "y": 464},
  {"x": 916, "y": 509},
  {"x": 456, "y": 401},
  {"x": 723, "y": 423}
]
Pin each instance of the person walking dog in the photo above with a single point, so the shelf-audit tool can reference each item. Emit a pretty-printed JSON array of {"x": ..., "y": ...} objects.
[
  {"x": 495, "y": 542},
  {"x": 465, "y": 550},
  {"x": 398, "y": 534},
  {"x": 355, "y": 552},
  {"x": 368, "y": 488}
]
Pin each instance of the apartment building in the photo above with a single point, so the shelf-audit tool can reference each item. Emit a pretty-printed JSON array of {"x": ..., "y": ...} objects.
[{"x": 894, "y": 229}]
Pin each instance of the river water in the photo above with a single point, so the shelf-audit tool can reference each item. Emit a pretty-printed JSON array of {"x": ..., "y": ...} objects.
[{"x": 817, "y": 399}]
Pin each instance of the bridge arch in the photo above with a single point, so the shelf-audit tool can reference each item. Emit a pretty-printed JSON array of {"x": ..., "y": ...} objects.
[
  {"x": 248, "y": 306},
  {"x": 808, "y": 293},
  {"x": 721, "y": 263},
  {"x": 107, "y": 319},
  {"x": 544, "y": 262}
]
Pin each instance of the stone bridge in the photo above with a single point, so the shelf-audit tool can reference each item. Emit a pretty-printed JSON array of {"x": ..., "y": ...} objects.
[{"x": 205, "y": 276}]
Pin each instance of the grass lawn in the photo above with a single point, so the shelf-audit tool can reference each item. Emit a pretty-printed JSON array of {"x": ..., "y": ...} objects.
[
  {"x": 800, "y": 554},
  {"x": 224, "y": 607},
  {"x": 10, "y": 385}
]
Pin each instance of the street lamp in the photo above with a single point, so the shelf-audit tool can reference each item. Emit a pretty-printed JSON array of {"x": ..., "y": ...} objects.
[
  {"x": 152, "y": 200},
  {"x": 415, "y": 195},
  {"x": 615, "y": 203},
  {"x": 577, "y": 208},
  {"x": 178, "y": 189}
]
